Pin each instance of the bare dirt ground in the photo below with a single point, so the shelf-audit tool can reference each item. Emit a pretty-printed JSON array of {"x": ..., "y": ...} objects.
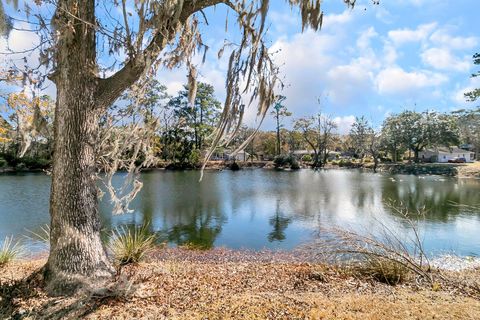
[{"x": 225, "y": 284}]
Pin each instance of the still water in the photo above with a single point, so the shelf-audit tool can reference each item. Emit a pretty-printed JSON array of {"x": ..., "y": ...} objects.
[{"x": 268, "y": 209}]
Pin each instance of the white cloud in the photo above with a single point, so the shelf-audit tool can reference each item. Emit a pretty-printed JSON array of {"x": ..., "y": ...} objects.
[
  {"x": 443, "y": 38},
  {"x": 348, "y": 83},
  {"x": 20, "y": 40},
  {"x": 401, "y": 36},
  {"x": 443, "y": 59},
  {"x": 305, "y": 59},
  {"x": 458, "y": 95},
  {"x": 363, "y": 42},
  {"x": 382, "y": 14},
  {"x": 396, "y": 81},
  {"x": 334, "y": 20},
  {"x": 344, "y": 124},
  {"x": 390, "y": 54},
  {"x": 283, "y": 21}
]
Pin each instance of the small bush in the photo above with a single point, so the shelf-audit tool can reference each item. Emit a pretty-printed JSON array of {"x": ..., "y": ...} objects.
[
  {"x": 20, "y": 167},
  {"x": 10, "y": 158},
  {"x": 35, "y": 163},
  {"x": 195, "y": 157},
  {"x": 3, "y": 162},
  {"x": 129, "y": 245},
  {"x": 307, "y": 158},
  {"x": 283, "y": 161},
  {"x": 294, "y": 164},
  {"x": 345, "y": 163},
  {"x": 279, "y": 161},
  {"x": 10, "y": 250}
]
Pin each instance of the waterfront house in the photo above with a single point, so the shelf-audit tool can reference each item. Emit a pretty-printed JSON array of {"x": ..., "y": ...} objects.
[{"x": 444, "y": 154}]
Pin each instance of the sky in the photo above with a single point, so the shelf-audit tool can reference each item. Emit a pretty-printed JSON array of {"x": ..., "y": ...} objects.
[{"x": 374, "y": 60}]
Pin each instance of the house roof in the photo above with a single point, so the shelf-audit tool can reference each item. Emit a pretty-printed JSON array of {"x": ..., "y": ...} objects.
[
  {"x": 453, "y": 149},
  {"x": 302, "y": 152},
  {"x": 311, "y": 152}
]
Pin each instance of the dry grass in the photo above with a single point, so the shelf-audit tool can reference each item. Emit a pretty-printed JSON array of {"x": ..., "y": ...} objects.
[
  {"x": 469, "y": 170},
  {"x": 10, "y": 250},
  {"x": 382, "y": 270},
  {"x": 385, "y": 255},
  {"x": 218, "y": 284}
]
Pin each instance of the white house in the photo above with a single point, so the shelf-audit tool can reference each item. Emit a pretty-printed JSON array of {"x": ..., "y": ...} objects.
[
  {"x": 299, "y": 154},
  {"x": 227, "y": 155},
  {"x": 443, "y": 154},
  {"x": 240, "y": 156}
]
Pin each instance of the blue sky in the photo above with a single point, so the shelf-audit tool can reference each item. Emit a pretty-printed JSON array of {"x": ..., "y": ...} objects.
[{"x": 372, "y": 60}]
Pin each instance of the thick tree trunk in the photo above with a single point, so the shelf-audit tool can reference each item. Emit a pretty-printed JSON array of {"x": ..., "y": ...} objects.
[
  {"x": 77, "y": 257},
  {"x": 375, "y": 164},
  {"x": 316, "y": 159}
]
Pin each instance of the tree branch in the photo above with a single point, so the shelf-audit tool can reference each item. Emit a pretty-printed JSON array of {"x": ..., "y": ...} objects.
[{"x": 112, "y": 87}]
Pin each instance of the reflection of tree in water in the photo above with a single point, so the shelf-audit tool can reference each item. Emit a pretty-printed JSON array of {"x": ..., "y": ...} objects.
[
  {"x": 201, "y": 231},
  {"x": 279, "y": 224},
  {"x": 182, "y": 211},
  {"x": 437, "y": 194}
]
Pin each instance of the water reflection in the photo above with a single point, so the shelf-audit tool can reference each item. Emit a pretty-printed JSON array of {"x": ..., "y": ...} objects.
[
  {"x": 279, "y": 224},
  {"x": 439, "y": 196},
  {"x": 261, "y": 208}
]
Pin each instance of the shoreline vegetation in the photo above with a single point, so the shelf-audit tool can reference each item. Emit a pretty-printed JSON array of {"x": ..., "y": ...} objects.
[
  {"x": 466, "y": 170},
  {"x": 181, "y": 283}
]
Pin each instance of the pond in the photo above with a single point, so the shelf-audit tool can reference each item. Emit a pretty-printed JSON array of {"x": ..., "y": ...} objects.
[{"x": 258, "y": 208}]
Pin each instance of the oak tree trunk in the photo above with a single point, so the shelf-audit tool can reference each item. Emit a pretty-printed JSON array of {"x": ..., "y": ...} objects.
[{"x": 77, "y": 257}]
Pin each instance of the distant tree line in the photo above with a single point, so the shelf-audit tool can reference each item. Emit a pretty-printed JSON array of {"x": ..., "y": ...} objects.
[{"x": 182, "y": 131}]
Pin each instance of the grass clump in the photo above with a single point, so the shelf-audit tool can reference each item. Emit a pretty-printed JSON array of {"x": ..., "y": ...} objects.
[
  {"x": 384, "y": 270},
  {"x": 130, "y": 245},
  {"x": 10, "y": 250}
]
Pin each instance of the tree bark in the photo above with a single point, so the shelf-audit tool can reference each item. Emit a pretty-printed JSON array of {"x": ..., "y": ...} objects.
[
  {"x": 375, "y": 164},
  {"x": 77, "y": 257}
]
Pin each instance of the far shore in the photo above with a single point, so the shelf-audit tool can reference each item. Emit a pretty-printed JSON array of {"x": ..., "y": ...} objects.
[{"x": 460, "y": 170}]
